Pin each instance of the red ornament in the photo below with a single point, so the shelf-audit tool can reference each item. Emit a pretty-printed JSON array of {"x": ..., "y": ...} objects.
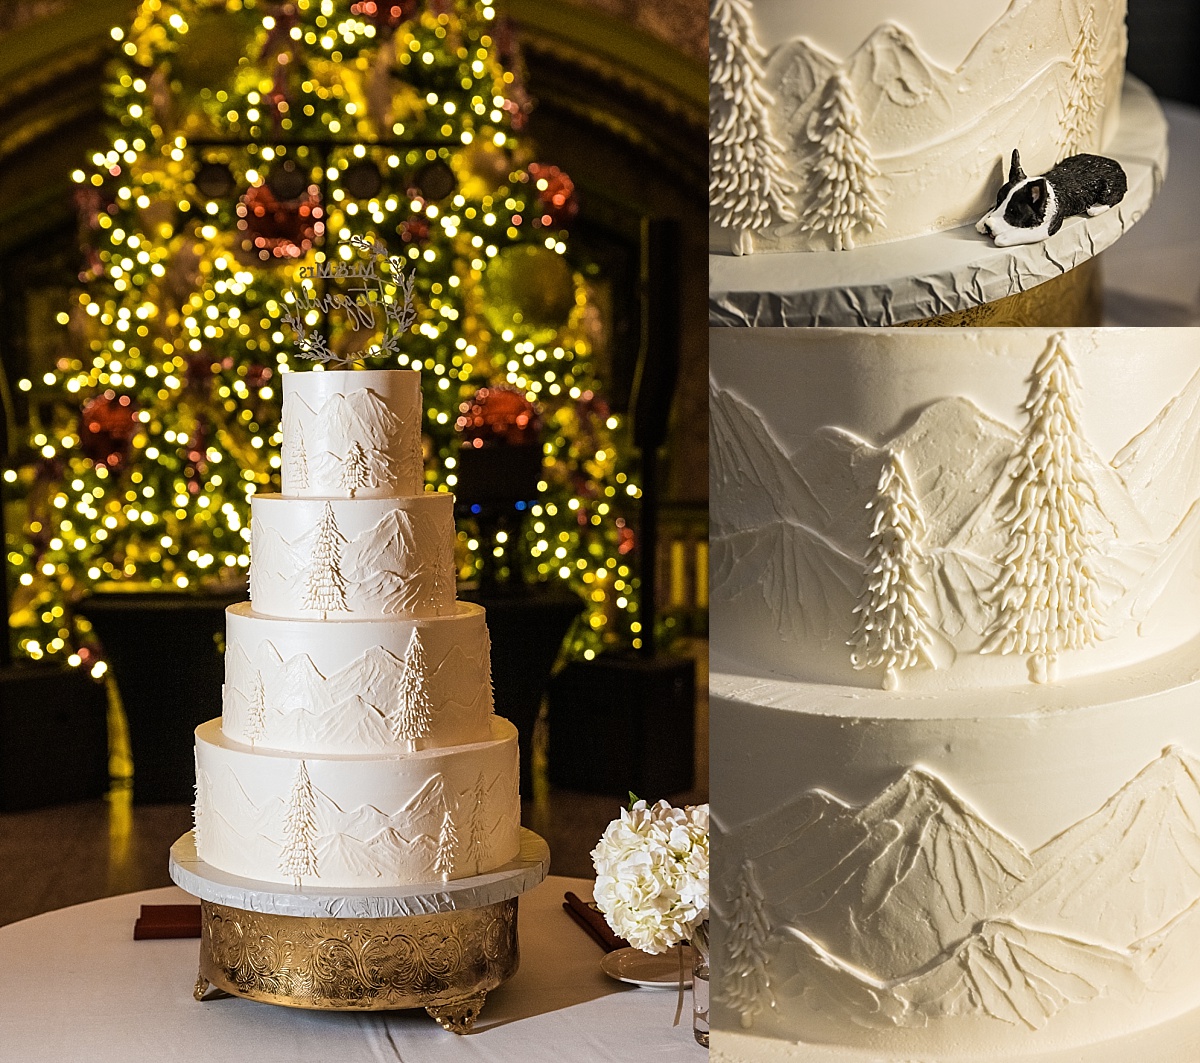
[
  {"x": 385, "y": 14},
  {"x": 498, "y": 416},
  {"x": 107, "y": 424},
  {"x": 414, "y": 230},
  {"x": 257, "y": 375},
  {"x": 557, "y": 203},
  {"x": 279, "y": 230}
]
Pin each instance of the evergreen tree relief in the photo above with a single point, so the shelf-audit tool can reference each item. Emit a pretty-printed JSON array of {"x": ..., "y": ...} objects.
[
  {"x": 298, "y": 461},
  {"x": 299, "y": 856},
  {"x": 748, "y": 186},
  {"x": 447, "y": 846},
  {"x": 476, "y": 831},
  {"x": 412, "y": 715},
  {"x": 354, "y": 472},
  {"x": 892, "y": 630},
  {"x": 842, "y": 197},
  {"x": 745, "y": 984},
  {"x": 256, "y": 710},
  {"x": 1085, "y": 89},
  {"x": 325, "y": 586},
  {"x": 1047, "y": 594}
]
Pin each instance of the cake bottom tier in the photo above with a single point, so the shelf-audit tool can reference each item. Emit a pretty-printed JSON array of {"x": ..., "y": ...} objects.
[
  {"x": 357, "y": 821},
  {"x": 957, "y": 876}
]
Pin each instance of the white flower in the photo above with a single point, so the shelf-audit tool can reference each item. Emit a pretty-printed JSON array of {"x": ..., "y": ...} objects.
[{"x": 652, "y": 874}]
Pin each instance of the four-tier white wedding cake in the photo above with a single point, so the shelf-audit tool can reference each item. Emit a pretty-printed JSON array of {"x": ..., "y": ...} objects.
[{"x": 357, "y": 746}]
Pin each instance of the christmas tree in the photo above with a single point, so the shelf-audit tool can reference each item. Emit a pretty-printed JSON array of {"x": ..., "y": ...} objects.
[
  {"x": 1085, "y": 89},
  {"x": 1047, "y": 594},
  {"x": 893, "y": 630},
  {"x": 842, "y": 198},
  {"x": 748, "y": 187},
  {"x": 249, "y": 138}
]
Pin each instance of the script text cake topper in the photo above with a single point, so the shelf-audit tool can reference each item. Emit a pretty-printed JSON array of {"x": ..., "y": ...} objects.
[{"x": 377, "y": 281}]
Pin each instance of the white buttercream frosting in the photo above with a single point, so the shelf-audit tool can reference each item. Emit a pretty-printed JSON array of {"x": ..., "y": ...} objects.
[
  {"x": 357, "y": 745},
  {"x": 352, "y": 434},
  {"x": 998, "y": 855},
  {"x": 932, "y": 98},
  {"x": 357, "y": 821}
]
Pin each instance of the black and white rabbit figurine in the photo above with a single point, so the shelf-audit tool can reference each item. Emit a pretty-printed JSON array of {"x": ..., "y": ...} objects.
[{"x": 1029, "y": 209}]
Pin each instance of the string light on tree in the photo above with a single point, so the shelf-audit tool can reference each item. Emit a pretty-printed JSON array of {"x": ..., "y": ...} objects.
[{"x": 244, "y": 140}]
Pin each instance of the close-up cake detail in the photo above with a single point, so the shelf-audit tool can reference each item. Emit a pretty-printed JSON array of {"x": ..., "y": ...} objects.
[
  {"x": 881, "y": 141},
  {"x": 956, "y": 813},
  {"x": 863, "y": 160},
  {"x": 357, "y": 745}
]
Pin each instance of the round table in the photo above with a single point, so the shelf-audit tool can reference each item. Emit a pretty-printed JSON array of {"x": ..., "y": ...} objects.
[{"x": 75, "y": 986}]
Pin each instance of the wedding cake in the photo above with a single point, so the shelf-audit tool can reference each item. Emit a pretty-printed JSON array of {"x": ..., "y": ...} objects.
[
  {"x": 956, "y": 683},
  {"x": 854, "y": 145},
  {"x": 357, "y": 745}
]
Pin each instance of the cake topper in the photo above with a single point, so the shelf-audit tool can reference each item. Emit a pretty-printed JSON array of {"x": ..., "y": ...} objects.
[
  {"x": 376, "y": 281},
  {"x": 1029, "y": 209}
]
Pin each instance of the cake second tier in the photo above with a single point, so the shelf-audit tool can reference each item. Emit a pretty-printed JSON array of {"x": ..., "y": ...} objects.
[
  {"x": 353, "y": 822},
  {"x": 357, "y": 686},
  {"x": 359, "y": 558}
]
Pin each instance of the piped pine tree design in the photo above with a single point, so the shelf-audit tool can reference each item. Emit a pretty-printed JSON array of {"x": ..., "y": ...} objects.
[
  {"x": 841, "y": 197},
  {"x": 299, "y": 857},
  {"x": 748, "y": 186},
  {"x": 745, "y": 984},
  {"x": 298, "y": 461},
  {"x": 354, "y": 469},
  {"x": 1085, "y": 91},
  {"x": 1048, "y": 594},
  {"x": 325, "y": 588},
  {"x": 476, "y": 832},
  {"x": 414, "y": 454},
  {"x": 412, "y": 715},
  {"x": 893, "y": 630},
  {"x": 256, "y": 710},
  {"x": 447, "y": 846},
  {"x": 200, "y": 807}
]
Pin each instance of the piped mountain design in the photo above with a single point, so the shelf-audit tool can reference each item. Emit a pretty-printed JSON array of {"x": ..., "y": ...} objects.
[
  {"x": 898, "y": 880},
  {"x": 923, "y": 122},
  {"x": 348, "y": 843},
  {"x": 912, "y": 906},
  {"x": 348, "y": 710}
]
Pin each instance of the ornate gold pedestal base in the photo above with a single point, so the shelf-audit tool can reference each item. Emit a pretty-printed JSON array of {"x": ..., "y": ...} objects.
[
  {"x": 1070, "y": 299},
  {"x": 446, "y": 962}
]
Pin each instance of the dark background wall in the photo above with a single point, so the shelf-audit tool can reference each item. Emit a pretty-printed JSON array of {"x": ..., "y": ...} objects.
[{"x": 1164, "y": 47}]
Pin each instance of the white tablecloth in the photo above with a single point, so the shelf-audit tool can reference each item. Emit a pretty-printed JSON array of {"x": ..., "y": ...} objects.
[{"x": 76, "y": 988}]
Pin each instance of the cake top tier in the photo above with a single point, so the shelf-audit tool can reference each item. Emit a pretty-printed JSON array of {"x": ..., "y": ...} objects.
[
  {"x": 352, "y": 434},
  {"x": 953, "y": 508}
]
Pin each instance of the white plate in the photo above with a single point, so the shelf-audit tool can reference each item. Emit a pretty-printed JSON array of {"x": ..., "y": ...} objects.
[{"x": 654, "y": 972}]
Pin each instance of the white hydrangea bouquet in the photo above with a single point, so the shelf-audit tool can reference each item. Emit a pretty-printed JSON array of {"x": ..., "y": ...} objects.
[{"x": 652, "y": 875}]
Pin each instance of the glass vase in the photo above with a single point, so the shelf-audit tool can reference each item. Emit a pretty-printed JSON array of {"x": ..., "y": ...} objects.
[{"x": 700, "y": 974}]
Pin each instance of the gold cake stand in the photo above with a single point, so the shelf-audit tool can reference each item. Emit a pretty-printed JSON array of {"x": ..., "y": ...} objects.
[{"x": 439, "y": 946}]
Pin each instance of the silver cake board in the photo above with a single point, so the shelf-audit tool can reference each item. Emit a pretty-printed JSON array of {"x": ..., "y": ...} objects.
[
  {"x": 942, "y": 273},
  {"x": 202, "y": 880}
]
